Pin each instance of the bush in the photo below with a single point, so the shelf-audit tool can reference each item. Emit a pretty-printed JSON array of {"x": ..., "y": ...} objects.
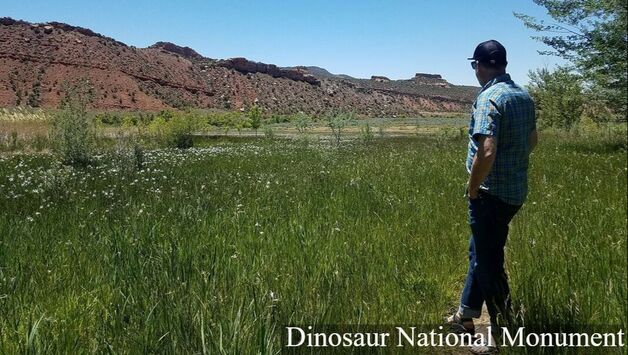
[
  {"x": 73, "y": 131},
  {"x": 40, "y": 142},
  {"x": 128, "y": 155},
  {"x": 109, "y": 118},
  {"x": 337, "y": 122},
  {"x": 174, "y": 130},
  {"x": 13, "y": 144},
  {"x": 268, "y": 132},
  {"x": 301, "y": 122},
  {"x": 558, "y": 97},
  {"x": 366, "y": 133}
]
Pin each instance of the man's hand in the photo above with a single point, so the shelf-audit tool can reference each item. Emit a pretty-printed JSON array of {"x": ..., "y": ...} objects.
[
  {"x": 472, "y": 194},
  {"x": 482, "y": 163}
]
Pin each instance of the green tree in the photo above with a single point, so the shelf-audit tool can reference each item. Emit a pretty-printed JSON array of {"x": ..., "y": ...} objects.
[
  {"x": 255, "y": 117},
  {"x": 558, "y": 96},
  {"x": 591, "y": 34},
  {"x": 337, "y": 122}
]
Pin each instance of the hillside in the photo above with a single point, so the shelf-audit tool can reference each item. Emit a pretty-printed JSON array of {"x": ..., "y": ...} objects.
[{"x": 37, "y": 60}]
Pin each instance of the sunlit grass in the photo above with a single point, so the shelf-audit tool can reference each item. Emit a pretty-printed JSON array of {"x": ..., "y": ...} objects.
[{"x": 216, "y": 248}]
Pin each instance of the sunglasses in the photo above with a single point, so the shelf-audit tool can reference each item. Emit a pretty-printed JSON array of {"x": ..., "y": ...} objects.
[{"x": 474, "y": 64}]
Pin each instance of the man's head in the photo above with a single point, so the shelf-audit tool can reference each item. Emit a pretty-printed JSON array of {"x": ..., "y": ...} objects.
[{"x": 489, "y": 61}]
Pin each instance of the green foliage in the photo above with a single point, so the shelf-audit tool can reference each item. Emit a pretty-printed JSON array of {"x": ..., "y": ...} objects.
[
  {"x": 240, "y": 122},
  {"x": 268, "y": 132},
  {"x": 366, "y": 133},
  {"x": 174, "y": 129},
  {"x": 280, "y": 118},
  {"x": 40, "y": 142},
  {"x": 255, "y": 116},
  {"x": 128, "y": 155},
  {"x": 109, "y": 118},
  {"x": 73, "y": 132},
  {"x": 228, "y": 119},
  {"x": 302, "y": 122},
  {"x": 558, "y": 97},
  {"x": 381, "y": 129},
  {"x": 591, "y": 34},
  {"x": 337, "y": 122},
  {"x": 129, "y": 121},
  {"x": 13, "y": 143}
]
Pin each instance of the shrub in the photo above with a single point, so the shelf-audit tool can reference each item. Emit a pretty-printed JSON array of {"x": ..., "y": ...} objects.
[
  {"x": 382, "y": 129},
  {"x": 301, "y": 122},
  {"x": 40, "y": 142},
  {"x": 337, "y": 122},
  {"x": 13, "y": 145},
  {"x": 174, "y": 130},
  {"x": 240, "y": 122},
  {"x": 73, "y": 132},
  {"x": 268, "y": 132},
  {"x": 366, "y": 133},
  {"x": 109, "y": 118},
  {"x": 558, "y": 97},
  {"x": 128, "y": 155}
]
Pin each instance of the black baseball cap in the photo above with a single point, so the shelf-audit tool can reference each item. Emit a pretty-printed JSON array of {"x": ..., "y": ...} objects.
[{"x": 490, "y": 52}]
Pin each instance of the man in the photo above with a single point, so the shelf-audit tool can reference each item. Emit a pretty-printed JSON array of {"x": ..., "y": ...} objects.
[{"x": 502, "y": 133}]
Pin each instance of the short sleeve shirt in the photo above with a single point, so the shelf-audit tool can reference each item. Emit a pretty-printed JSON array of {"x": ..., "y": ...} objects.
[{"x": 504, "y": 110}]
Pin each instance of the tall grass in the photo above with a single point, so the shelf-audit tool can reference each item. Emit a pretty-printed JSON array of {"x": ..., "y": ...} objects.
[{"x": 215, "y": 249}]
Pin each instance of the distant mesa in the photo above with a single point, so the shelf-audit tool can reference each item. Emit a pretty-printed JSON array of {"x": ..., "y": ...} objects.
[
  {"x": 186, "y": 52},
  {"x": 431, "y": 79},
  {"x": 380, "y": 79},
  {"x": 428, "y": 76}
]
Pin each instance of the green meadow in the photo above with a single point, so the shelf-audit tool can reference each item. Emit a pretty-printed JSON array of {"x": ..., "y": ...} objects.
[{"x": 216, "y": 248}]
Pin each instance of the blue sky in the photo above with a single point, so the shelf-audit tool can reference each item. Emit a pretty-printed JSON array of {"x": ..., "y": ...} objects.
[{"x": 394, "y": 38}]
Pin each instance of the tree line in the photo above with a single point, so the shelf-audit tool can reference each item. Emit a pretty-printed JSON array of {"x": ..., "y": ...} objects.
[{"x": 591, "y": 36}]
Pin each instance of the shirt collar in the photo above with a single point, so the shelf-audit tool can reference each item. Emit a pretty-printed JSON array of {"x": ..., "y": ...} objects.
[{"x": 495, "y": 80}]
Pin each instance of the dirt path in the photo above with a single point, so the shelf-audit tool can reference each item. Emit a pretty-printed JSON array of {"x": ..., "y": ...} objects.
[{"x": 481, "y": 326}]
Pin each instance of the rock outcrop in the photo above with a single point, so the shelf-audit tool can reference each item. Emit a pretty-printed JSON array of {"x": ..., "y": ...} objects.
[
  {"x": 380, "y": 79},
  {"x": 246, "y": 66},
  {"x": 186, "y": 52},
  {"x": 427, "y": 76}
]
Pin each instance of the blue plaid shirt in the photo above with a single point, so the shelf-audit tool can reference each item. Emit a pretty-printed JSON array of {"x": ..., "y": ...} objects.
[{"x": 506, "y": 111}]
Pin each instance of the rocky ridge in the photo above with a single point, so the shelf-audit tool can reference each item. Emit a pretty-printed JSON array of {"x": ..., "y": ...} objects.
[{"x": 37, "y": 60}]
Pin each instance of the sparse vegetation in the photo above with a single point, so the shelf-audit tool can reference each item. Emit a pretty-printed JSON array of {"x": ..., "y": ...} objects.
[
  {"x": 337, "y": 122},
  {"x": 302, "y": 122},
  {"x": 366, "y": 133},
  {"x": 73, "y": 131},
  {"x": 255, "y": 117}
]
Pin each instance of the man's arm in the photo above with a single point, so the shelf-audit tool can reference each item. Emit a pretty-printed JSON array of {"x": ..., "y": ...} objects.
[
  {"x": 533, "y": 139},
  {"x": 482, "y": 163}
]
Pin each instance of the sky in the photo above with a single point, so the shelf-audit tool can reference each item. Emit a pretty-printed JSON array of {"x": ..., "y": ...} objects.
[{"x": 393, "y": 38}]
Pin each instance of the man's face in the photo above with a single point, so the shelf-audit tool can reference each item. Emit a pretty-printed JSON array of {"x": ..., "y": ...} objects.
[{"x": 480, "y": 73}]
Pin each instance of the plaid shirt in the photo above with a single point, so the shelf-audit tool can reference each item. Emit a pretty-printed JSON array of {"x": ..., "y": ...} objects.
[{"x": 506, "y": 111}]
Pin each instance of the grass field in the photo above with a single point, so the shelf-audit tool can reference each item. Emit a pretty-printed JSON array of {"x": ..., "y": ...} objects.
[{"x": 215, "y": 249}]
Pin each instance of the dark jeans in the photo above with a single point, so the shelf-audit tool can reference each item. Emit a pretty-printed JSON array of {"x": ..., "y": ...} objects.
[{"x": 487, "y": 280}]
